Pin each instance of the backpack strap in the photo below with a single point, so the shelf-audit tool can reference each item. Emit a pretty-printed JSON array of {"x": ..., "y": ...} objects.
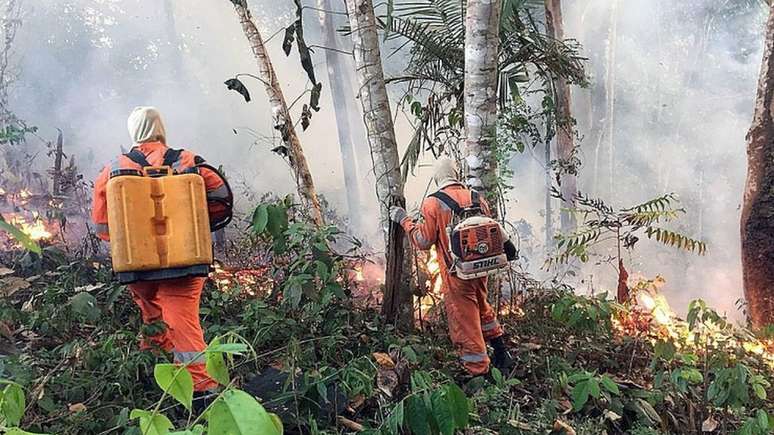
[
  {"x": 138, "y": 157},
  {"x": 446, "y": 199},
  {"x": 475, "y": 199},
  {"x": 456, "y": 209},
  {"x": 171, "y": 157}
]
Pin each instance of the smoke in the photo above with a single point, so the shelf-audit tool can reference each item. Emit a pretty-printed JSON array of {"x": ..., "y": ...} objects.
[
  {"x": 85, "y": 64},
  {"x": 683, "y": 75}
]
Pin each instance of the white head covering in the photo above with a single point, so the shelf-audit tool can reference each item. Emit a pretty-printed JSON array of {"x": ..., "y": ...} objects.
[
  {"x": 145, "y": 125},
  {"x": 446, "y": 173}
]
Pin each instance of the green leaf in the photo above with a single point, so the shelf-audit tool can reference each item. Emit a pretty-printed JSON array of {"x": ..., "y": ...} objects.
[
  {"x": 238, "y": 413},
  {"x": 260, "y": 218},
  {"x": 459, "y": 405},
  {"x": 692, "y": 375},
  {"x": 442, "y": 413},
  {"x": 278, "y": 221},
  {"x": 17, "y": 431},
  {"x": 230, "y": 348},
  {"x": 580, "y": 395},
  {"x": 762, "y": 419},
  {"x": 151, "y": 424},
  {"x": 17, "y": 234},
  {"x": 665, "y": 349},
  {"x": 216, "y": 364},
  {"x": 196, "y": 430},
  {"x": 760, "y": 391},
  {"x": 85, "y": 305},
  {"x": 175, "y": 380},
  {"x": 594, "y": 390},
  {"x": 277, "y": 423},
  {"x": 12, "y": 404},
  {"x": 497, "y": 376},
  {"x": 610, "y": 385},
  {"x": 417, "y": 418},
  {"x": 395, "y": 420},
  {"x": 579, "y": 376}
]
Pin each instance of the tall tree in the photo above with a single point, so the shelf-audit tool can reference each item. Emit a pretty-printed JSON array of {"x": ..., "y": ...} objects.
[
  {"x": 757, "y": 225},
  {"x": 342, "y": 96},
  {"x": 281, "y": 116},
  {"x": 482, "y": 42},
  {"x": 565, "y": 133},
  {"x": 397, "y": 304}
]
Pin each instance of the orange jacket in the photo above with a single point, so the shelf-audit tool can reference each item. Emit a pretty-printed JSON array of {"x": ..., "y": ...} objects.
[
  {"x": 154, "y": 153},
  {"x": 436, "y": 216}
]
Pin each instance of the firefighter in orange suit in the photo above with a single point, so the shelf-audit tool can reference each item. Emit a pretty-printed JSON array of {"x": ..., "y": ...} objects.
[
  {"x": 174, "y": 302},
  {"x": 472, "y": 321}
]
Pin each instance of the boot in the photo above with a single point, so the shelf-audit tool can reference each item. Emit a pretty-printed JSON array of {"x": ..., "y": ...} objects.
[{"x": 501, "y": 358}]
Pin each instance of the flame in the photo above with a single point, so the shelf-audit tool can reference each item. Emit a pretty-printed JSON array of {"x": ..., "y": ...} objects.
[
  {"x": 658, "y": 307},
  {"x": 434, "y": 283},
  {"x": 652, "y": 309},
  {"x": 35, "y": 230},
  {"x": 359, "y": 275}
]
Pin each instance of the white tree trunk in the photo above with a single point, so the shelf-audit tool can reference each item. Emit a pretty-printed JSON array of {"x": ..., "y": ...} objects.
[
  {"x": 342, "y": 97},
  {"x": 565, "y": 134},
  {"x": 482, "y": 42},
  {"x": 397, "y": 304},
  {"x": 281, "y": 117}
]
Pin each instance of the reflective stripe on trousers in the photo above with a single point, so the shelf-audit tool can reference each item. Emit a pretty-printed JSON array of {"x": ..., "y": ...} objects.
[
  {"x": 189, "y": 357},
  {"x": 473, "y": 357},
  {"x": 490, "y": 326}
]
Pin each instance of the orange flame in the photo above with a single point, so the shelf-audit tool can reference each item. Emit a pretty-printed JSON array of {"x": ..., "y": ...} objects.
[
  {"x": 434, "y": 283},
  {"x": 652, "y": 308},
  {"x": 36, "y": 229}
]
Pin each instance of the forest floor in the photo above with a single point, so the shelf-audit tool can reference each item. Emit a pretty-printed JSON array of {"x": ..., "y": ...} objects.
[{"x": 586, "y": 365}]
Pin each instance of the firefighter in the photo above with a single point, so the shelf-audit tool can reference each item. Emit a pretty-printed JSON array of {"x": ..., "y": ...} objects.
[
  {"x": 172, "y": 306},
  {"x": 471, "y": 319}
]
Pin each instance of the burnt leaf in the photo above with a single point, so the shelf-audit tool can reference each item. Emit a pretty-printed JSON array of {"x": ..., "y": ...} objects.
[
  {"x": 287, "y": 43},
  {"x": 236, "y": 85},
  {"x": 306, "y": 117},
  {"x": 281, "y": 150},
  {"x": 303, "y": 50},
  {"x": 314, "y": 98},
  {"x": 242, "y": 3}
]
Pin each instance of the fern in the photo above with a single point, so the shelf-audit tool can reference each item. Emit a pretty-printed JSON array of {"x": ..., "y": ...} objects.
[
  {"x": 601, "y": 223},
  {"x": 676, "y": 240}
]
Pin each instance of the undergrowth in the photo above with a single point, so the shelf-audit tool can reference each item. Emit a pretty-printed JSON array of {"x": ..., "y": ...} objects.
[{"x": 68, "y": 341}]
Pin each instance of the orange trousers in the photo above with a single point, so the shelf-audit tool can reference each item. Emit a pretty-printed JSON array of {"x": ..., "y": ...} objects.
[
  {"x": 176, "y": 303},
  {"x": 471, "y": 320}
]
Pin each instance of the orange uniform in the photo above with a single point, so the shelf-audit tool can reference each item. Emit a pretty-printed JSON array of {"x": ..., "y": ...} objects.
[
  {"x": 174, "y": 302},
  {"x": 471, "y": 319}
]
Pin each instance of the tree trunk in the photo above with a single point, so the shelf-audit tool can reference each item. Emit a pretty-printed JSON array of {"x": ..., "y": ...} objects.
[
  {"x": 397, "y": 305},
  {"x": 56, "y": 174},
  {"x": 482, "y": 41},
  {"x": 565, "y": 134},
  {"x": 281, "y": 117},
  {"x": 549, "y": 211},
  {"x": 610, "y": 82},
  {"x": 341, "y": 95},
  {"x": 757, "y": 225}
]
